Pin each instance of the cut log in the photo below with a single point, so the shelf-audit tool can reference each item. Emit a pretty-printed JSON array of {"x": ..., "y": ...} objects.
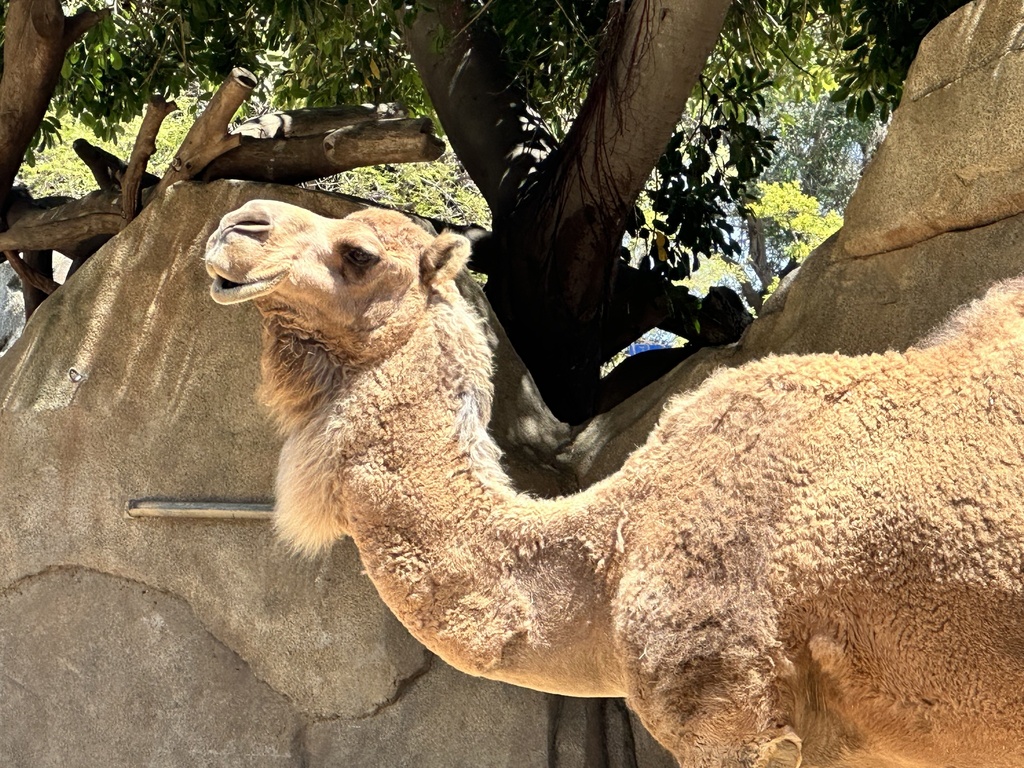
[
  {"x": 315, "y": 122},
  {"x": 306, "y": 158},
  {"x": 208, "y": 137},
  {"x": 385, "y": 141},
  {"x": 66, "y": 227},
  {"x": 77, "y": 227}
]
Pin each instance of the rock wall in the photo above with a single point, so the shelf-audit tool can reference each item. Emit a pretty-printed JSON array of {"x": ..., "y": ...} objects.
[{"x": 954, "y": 156}]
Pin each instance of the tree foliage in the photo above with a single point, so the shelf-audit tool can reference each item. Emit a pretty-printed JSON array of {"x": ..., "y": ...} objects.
[
  {"x": 440, "y": 190},
  {"x": 795, "y": 223},
  {"x": 770, "y": 51},
  {"x": 312, "y": 53}
]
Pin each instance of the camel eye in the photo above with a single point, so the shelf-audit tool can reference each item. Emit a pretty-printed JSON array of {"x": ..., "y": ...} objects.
[{"x": 360, "y": 257}]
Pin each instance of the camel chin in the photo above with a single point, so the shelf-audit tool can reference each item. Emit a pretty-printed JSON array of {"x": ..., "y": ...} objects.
[{"x": 225, "y": 291}]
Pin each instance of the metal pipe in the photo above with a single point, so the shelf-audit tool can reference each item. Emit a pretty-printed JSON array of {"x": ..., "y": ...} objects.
[{"x": 199, "y": 510}]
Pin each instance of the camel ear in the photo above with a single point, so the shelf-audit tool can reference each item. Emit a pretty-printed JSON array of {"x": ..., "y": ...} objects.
[{"x": 442, "y": 260}]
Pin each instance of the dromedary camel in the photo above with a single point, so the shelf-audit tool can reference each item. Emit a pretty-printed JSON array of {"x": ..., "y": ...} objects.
[{"x": 813, "y": 559}]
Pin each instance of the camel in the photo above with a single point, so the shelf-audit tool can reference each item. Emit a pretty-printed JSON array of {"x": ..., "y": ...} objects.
[{"x": 813, "y": 560}]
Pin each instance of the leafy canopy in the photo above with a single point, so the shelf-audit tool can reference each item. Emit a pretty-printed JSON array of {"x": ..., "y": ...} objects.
[{"x": 315, "y": 53}]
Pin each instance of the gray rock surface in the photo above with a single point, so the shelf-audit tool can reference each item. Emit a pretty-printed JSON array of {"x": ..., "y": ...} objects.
[
  {"x": 82, "y": 653},
  {"x": 12, "y": 307}
]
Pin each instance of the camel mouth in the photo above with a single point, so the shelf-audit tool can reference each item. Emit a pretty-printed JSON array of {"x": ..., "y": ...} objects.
[{"x": 227, "y": 291}]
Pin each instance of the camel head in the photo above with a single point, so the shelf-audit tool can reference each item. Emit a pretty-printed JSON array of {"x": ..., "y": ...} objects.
[{"x": 357, "y": 285}]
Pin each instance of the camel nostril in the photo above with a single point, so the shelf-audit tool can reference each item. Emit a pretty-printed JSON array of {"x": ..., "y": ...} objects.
[{"x": 257, "y": 227}]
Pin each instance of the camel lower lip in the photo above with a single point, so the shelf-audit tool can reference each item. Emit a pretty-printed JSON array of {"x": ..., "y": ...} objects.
[{"x": 225, "y": 291}]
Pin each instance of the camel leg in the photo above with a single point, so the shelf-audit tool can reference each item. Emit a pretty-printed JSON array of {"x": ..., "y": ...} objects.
[
  {"x": 711, "y": 689},
  {"x": 722, "y": 739}
]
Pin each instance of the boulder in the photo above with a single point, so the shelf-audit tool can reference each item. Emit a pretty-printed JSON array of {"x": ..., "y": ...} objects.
[{"x": 953, "y": 158}]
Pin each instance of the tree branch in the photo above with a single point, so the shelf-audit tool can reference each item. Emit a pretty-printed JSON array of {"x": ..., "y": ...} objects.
[
  {"x": 81, "y": 23},
  {"x": 107, "y": 169},
  {"x": 42, "y": 262},
  {"x": 29, "y": 275},
  {"x": 78, "y": 227},
  {"x": 65, "y": 227},
  {"x": 315, "y": 122},
  {"x": 483, "y": 110},
  {"x": 650, "y": 60},
  {"x": 642, "y": 301},
  {"x": 386, "y": 141},
  {"x": 143, "y": 149},
  {"x": 208, "y": 137},
  {"x": 305, "y": 158}
]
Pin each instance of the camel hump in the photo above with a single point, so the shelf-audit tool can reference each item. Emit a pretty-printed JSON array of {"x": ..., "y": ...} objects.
[{"x": 998, "y": 315}]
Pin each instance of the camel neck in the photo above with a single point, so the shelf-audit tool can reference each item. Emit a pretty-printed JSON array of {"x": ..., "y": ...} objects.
[{"x": 497, "y": 583}]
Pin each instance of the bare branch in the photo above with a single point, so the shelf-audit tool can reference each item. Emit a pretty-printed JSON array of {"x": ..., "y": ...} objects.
[
  {"x": 386, "y": 141},
  {"x": 66, "y": 227},
  {"x": 145, "y": 146},
  {"x": 106, "y": 168},
  {"x": 208, "y": 138},
  {"x": 78, "y": 227},
  {"x": 30, "y": 275}
]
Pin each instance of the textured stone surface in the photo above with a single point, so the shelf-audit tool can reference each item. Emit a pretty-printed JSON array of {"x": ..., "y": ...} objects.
[
  {"x": 444, "y": 720},
  {"x": 99, "y": 671},
  {"x": 129, "y": 383},
  {"x": 954, "y": 155},
  {"x": 969, "y": 40}
]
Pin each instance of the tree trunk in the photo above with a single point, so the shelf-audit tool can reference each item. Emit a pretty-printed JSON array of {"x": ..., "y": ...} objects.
[
  {"x": 759, "y": 262},
  {"x": 559, "y": 213},
  {"x": 42, "y": 262},
  {"x": 36, "y": 37}
]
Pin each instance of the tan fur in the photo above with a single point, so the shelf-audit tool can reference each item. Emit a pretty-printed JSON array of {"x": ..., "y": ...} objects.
[{"x": 816, "y": 559}]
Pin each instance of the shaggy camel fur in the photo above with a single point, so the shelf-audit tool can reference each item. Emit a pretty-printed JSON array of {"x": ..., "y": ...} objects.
[{"x": 813, "y": 559}]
